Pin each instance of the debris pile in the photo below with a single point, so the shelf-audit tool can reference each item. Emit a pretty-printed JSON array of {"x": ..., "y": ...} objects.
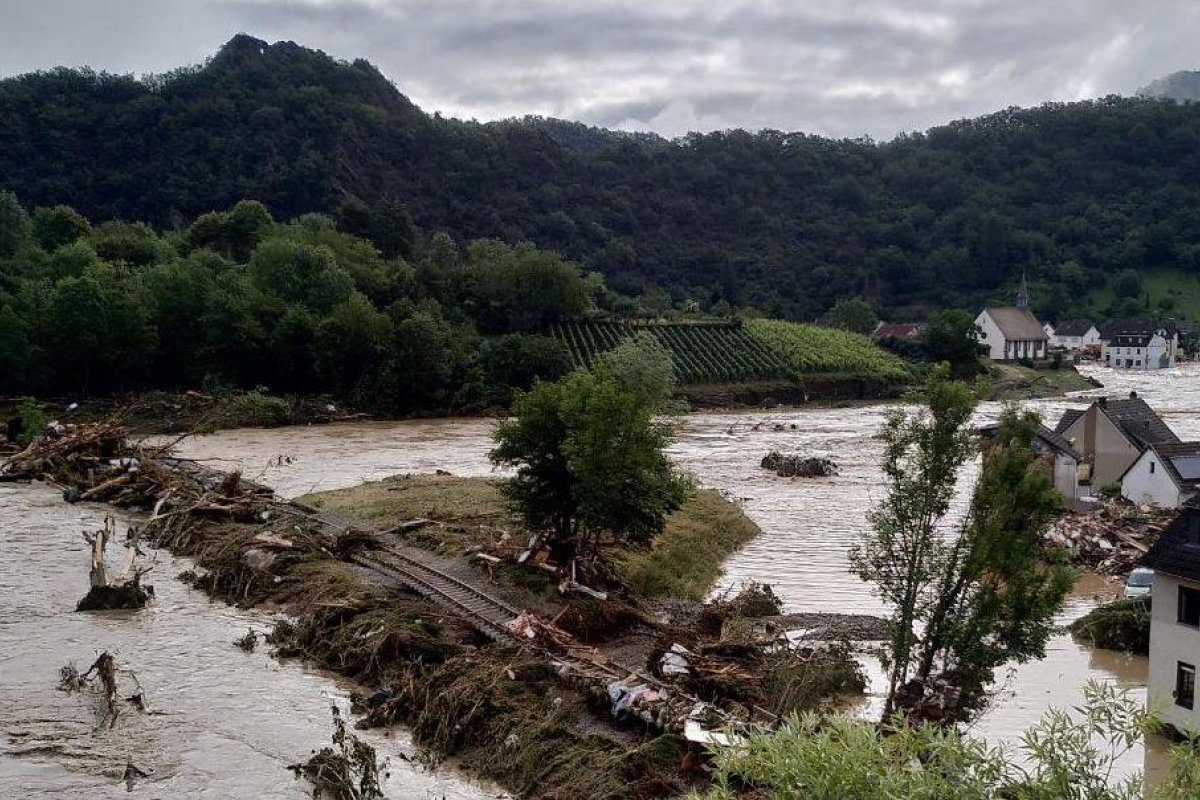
[
  {"x": 796, "y": 466},
  {"x": 1113, "y": 538},
  {"x": 751, "y": 672}
]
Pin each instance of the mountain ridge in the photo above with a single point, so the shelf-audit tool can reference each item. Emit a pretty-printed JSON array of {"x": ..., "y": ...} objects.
[{"x": 784, "y": 222}]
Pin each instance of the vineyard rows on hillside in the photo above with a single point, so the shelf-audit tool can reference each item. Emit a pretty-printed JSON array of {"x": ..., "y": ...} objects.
[
  {"x": 811, "y": 349},
  {"x": 731, "y": 352}
]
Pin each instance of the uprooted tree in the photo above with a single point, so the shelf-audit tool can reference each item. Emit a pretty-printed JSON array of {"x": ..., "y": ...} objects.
[
  {"x": 969, "y": 599},
  {"x": 589, "y": 461}
]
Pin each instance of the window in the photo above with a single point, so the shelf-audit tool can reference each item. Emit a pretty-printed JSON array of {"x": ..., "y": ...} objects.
[
  {"x": 1185, "y": 684},
  {"x": 1151, "y": 467},
  {"x": 1189, "y": 607}
]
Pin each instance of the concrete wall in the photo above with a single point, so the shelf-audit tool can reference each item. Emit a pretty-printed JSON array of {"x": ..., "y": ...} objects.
[
  {"x": 1148, "y": 482},
  {"x": 1066, "y": 477},
  {"x": 1170, "y": 643},
  {"x": 1103, "y": 446}
]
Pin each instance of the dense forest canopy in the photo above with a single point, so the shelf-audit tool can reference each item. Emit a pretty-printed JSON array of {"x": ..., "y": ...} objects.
[
  {"x": 1084, "y": 197},
  {"x": 236, "y": 299}
]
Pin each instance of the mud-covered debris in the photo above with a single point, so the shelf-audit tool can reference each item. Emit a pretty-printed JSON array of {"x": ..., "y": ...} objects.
[
  {"x": 797, "y": 466},
  {"x": 248, "y": 641},
  {"x": 1111, "y": 539}
]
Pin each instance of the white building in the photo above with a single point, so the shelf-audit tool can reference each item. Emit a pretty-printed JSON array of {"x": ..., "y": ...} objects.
[
  {"x": 1140, "y": 345},
  {"x": 1011, "y": 333},
  {"x": 1175, "y": 623},
  {"x": 1075, "y": 335},
  {"x": 1164, "y": 475}
]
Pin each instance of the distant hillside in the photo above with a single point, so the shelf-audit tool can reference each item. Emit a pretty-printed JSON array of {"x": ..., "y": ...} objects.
[
  {"x": 1182, "y": 85},
  {"x": 1076, "y": 195}
]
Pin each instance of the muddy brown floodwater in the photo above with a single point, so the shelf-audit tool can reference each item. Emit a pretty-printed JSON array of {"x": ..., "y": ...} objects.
[
  {"x": 807, "y": 524},
  {"x": 226, "y": 723},
  {"x": 221, "y": 724}
]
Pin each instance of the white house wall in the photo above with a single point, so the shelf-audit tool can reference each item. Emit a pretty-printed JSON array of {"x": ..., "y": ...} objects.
[
  {"x": 1148, "y": 482},
  {"x": 1170, "y": 643},
  {"x": 991, "y": 336}
]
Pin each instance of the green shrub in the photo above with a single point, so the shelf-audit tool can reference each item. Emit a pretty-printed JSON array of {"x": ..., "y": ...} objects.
[
  {"x": 33, "y": 420},
  {"x": 254, "y": 410}
]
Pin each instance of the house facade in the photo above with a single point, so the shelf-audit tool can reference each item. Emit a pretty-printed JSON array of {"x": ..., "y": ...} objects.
[
  {"x": 1075, "y": 335},
  {"x": 1175, "y": 623},
  {"x": 1110, "y": 435},
  {"x": 1056, "y": 455},
  {"x": 1164, "y": 475},
  {"x": 1011, "y": 333},
  {"x": 1138, "y": 344}
]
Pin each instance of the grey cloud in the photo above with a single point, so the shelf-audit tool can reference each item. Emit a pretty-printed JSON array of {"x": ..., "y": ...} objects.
[{"x": 846, "y": 68}]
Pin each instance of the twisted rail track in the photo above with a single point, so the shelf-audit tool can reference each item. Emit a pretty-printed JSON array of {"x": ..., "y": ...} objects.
[{"x": 486, "y": 613}]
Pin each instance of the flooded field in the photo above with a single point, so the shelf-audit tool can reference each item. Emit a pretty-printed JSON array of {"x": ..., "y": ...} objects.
[{"x": 222, "y": 707}]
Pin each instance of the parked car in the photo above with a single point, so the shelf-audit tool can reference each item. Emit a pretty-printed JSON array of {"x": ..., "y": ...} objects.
[{"x": 1139, "y": 582}]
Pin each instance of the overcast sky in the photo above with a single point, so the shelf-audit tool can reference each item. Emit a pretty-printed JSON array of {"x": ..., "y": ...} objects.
[{"x": 835, "y": 67}]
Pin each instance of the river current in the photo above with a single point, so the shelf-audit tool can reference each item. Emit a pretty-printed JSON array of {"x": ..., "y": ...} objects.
[{"x": 230, "y": 722}]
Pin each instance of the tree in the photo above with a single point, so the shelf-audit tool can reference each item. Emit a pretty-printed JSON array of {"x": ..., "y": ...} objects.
[
  {"x": 644, "y": 367},
  {"x": 590, "y": 465},
  {"x": 14, "y": 224},
  {"x": 922, "y": 454},
  {"x": 1067, "y": 755},
  {"x": 853, "y": 314},
  {"x": 516, "y": 360},
  {"x": 968, "y": 601},
  {"x": 54, "y": 227},
  {"x": 1127, "y": 284},
  {"x": 952, "y": 338}
]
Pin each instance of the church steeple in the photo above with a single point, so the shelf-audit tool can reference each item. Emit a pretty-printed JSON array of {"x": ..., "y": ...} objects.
[{"x": 1023, "y": 293}]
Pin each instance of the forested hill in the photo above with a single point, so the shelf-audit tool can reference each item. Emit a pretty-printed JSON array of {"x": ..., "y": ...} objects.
[{"x": 1081, "y": 196}]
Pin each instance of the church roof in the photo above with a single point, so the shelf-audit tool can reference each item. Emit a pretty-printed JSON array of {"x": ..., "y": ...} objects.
[{"x": 1017, "y": 324}]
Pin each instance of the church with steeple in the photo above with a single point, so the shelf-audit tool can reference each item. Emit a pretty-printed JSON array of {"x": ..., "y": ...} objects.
[{"x": 1012, "y": 333}]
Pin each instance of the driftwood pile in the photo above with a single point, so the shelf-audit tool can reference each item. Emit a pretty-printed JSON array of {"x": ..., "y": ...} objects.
[
  {"x": 798, "y": 466},
  {"x": 98, "y": 462},
  {"x": 1113, "y": 538}
]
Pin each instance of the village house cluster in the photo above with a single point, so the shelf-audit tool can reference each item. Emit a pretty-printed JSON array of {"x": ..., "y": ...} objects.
[
  {"x": 1012, "y": 333},
  {"x": 1122, "y": 442}
]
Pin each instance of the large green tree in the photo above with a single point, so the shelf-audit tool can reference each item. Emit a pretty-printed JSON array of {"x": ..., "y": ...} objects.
[
  {"x": 854, "y": 314},
  {"x": 590, "y": 463},
  {"x": 967, "y": 601}
]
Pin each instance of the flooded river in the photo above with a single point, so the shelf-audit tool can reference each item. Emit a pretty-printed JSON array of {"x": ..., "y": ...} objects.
[
  {"x": 232, "y": 721},
  {"x": 222, "y": 723}
]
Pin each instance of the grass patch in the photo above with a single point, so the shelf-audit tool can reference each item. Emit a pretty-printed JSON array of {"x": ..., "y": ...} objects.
[
  {"x": 682, "y": 563},
  {"x": 686, "y": 559},
  {"x": 438, "y": 497}
]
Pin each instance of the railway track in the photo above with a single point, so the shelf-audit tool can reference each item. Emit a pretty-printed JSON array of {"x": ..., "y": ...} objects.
[{"x": 489, "y": 614}]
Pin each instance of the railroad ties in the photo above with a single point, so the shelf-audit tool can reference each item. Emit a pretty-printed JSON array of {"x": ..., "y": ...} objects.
[{"x": 486, "y": 613}]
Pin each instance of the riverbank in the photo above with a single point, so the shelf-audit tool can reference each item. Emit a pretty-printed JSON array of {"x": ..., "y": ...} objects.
[
  {"x": 190, "y": 412},
  {"x": 167, "y": 413},
  {"x": 1015, "y": 382}
]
